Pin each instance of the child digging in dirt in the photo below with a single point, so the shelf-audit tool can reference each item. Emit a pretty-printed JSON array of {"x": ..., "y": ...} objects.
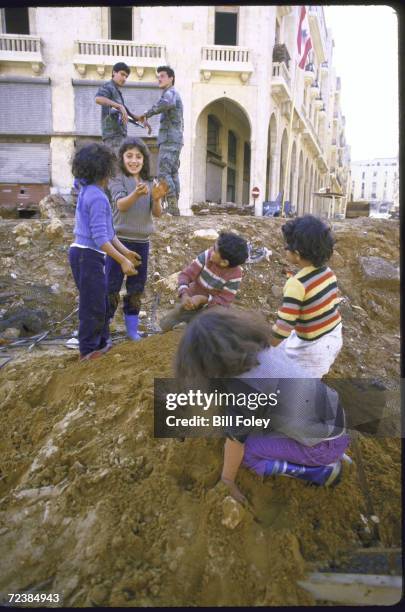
[
  {"x": 135, "y": 200},
  {"x": 212, "y": 279},
  {"x": 94, "y": 236},
  {"x": 308, "y": 327},
  {"x": 307, "y": 439}
]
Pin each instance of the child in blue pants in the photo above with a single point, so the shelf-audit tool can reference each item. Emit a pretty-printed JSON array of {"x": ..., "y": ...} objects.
[
  {"x": 135, "y": 201},
  {"x": 94, "y": 236}
]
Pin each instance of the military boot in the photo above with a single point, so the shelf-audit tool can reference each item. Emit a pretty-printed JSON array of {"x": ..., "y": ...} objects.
[{"x": 172, "y": 206}]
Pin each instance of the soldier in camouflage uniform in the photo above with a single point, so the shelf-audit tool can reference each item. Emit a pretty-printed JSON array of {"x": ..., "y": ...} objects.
[
  {"x": 113, "y": 123},
  {"x": 170, "y": 137}
]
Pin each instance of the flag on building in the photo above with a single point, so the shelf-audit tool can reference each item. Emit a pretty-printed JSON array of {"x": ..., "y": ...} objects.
[{"x": 304, "y": 42}]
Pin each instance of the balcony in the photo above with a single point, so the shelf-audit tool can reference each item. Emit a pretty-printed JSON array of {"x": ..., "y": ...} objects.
[
  {"x": 21, "y": 48},
  {"x": 105, "y": 53},
  {"x": 310, "y": 137},
  {"x": 319, "y": 32},
  {"x": 309, "y": 74},
  {"x": 280, "y": 82},
  {"x": 324, "y": 68},
  {"x": 318, "y": 102},
  {"x": 315, "y": 90},
  {"x": 226, "y": 60}
]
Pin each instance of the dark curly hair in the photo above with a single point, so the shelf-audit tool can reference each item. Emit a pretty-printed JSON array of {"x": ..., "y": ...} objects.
[
  {"x": 93, "y": 162},
  {"x": 233, "y": 248},
  {"x": 220, "y": 343},
  {"x": 311, "y": 237},
  {"x": 169, "y": 71},
  {"x": 135, "y": 143}
]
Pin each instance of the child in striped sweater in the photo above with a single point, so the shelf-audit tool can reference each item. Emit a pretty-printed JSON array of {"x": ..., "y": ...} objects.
[
  {"x": 308, "y": 322},
  {"x": 212, "y": 279}
]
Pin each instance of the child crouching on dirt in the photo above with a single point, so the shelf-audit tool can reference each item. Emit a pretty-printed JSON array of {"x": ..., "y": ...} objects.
[
  {"x": 307, "y": 439},
  {"x": 212, "y": 279},
  {"x": 308, "y": 322},
  {"x": 94, "y": 236}
]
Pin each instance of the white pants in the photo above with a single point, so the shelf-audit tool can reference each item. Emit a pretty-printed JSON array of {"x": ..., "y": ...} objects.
[{"x": 317, "y": 356}]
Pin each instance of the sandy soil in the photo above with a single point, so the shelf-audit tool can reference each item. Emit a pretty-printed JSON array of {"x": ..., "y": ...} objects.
[{"x": 93, "y": 507}]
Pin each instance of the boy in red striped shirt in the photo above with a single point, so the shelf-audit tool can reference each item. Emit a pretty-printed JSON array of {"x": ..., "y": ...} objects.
[
  {"x": 212, "y": 279},
  {"x": 308, "y": 321}
]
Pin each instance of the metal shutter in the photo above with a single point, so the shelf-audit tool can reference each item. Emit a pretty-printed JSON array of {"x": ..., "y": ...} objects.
[
  {"x": 24, "y": 162},
  {"x": 88, "y": 113},
  {"x": 25, "y": 106}
]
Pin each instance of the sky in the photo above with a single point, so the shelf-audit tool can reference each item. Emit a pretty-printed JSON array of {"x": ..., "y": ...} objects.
[{"x": 365, "y": 56}]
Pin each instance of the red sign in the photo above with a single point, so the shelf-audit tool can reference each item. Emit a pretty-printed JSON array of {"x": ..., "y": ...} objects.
[{"x": 255, "y": 192}]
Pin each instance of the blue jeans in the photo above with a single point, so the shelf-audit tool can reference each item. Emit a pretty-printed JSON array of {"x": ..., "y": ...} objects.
[
  {"x": 88, "y": 271},
  {"x": 134, "y": 284}
]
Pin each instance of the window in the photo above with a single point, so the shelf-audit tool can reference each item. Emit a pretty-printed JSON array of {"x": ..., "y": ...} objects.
[
  {"x": 374, "y": 173},
  {"x": 374, "y": 186},
  {"x": 16, "y": 20},
  {"x": 121, "y": 22},
  {"x": 231, "y": 185},
  {"x": 213, "y": 135},
  {"x": 363, "y": 175},
  {"x": 226, "y": 25},
  {"x": 231, "y": 148}
]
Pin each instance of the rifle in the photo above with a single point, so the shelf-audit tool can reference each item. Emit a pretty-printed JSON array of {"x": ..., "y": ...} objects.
[{"x": 131, "y": 118}]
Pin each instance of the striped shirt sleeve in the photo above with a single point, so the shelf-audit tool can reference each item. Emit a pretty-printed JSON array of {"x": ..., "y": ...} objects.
[
  {"x": 190, "y": 273},
  {"x": 228, "y": 293},
  {"x": 289, "y": 311}
]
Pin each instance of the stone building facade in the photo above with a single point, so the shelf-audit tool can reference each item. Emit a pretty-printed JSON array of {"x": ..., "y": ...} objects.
[
  {"x": 376, "y": 180},
  {"x": 235, "y": 70}
]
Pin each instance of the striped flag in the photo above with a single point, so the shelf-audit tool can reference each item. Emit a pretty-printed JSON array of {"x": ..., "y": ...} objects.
[{"x": 304, "y": 43}]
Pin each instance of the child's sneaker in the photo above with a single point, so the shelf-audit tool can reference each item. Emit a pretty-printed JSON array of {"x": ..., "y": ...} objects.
[{"x": 320, "y": 475}]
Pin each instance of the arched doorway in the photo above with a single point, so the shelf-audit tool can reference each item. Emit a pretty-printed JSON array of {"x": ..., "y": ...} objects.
[
  {"x": 293, "y": 174},
  {"x": 283, "y": 160},
  {"x": 271, "y": 161},
  {"x": 305, "y": 207},
  {"x": 221, "y": 157},
  {"x": 300, "y": 197},
  {"x": 311, "y": 189}
]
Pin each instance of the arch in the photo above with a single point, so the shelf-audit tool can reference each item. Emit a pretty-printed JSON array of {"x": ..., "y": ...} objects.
[
  {"x": 300, "y": 195},
  {"x": 283, "y": 159},
  {"x": 293, "y": 174},
  {"x": 311, "y": 189},
  {"x": 222, "y": 121},
  {"x": 306, "y": 188},
  {"x": 214, "y": 99},
  {"x": 271, "y": 166}
]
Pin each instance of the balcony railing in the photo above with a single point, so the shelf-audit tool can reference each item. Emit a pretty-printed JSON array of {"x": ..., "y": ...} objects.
[
  {"x": 281, "y": 83},
  {"x": 315, "y": 89},
  {"x": 280, "y": 71},
  {"x": 226, "y": 59},
  {"x": 21, "y": 48},
  {"x": 102, "y": 53}
]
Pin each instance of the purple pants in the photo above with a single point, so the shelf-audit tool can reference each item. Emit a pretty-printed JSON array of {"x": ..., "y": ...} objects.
[
  {"x": 259, "y": 449},
  {"x": 88, "y": 271}
]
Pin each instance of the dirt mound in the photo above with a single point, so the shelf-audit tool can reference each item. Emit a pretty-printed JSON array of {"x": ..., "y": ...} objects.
[{"x": 93, "y": 507}]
